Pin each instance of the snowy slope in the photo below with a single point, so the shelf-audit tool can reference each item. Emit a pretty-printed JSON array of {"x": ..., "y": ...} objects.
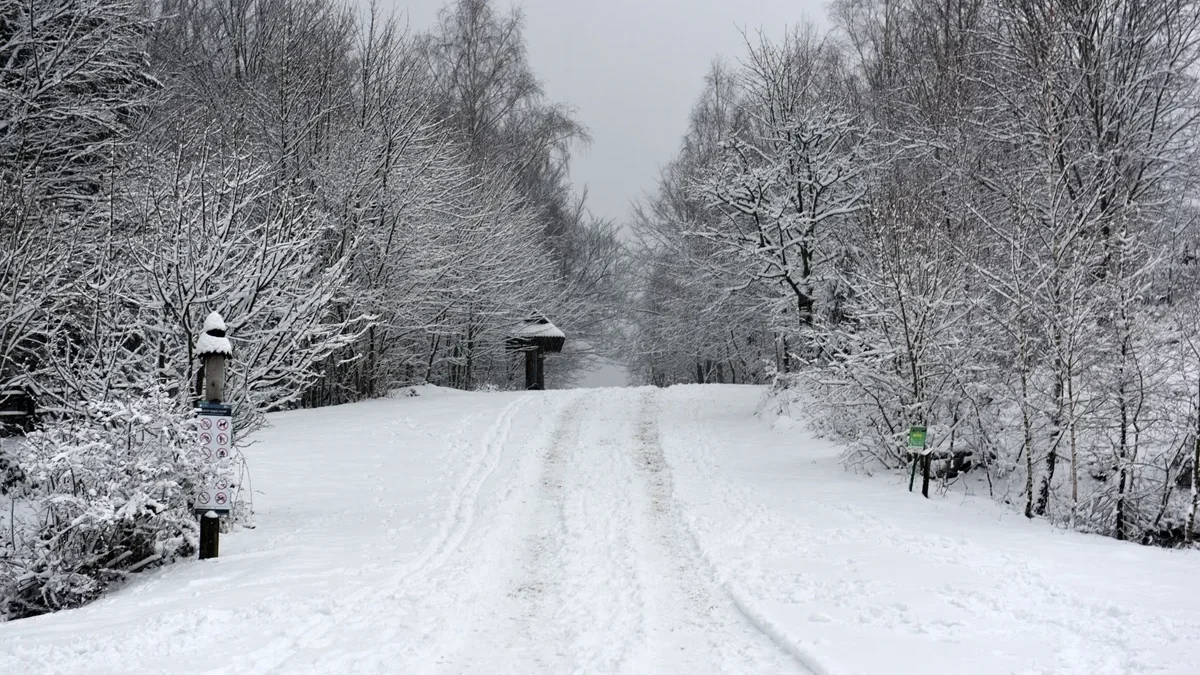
[
  {"x": 616, "y": 531},
  {"x": 871, "y": 579}
]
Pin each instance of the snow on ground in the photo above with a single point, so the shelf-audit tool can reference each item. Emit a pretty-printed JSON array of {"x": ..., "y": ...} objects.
[
  {"x": 868, "y": 578},
  {"x": 605, "y": 374},
  {"x": 616, "y": 531}
]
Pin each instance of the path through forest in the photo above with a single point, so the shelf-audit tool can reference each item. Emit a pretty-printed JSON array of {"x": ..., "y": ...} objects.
[{"x": 616, "y": 531}]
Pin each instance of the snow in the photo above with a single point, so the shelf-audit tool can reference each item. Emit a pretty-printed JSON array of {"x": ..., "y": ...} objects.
[
  {"x": 539, "y": 330},
  {"x": 208, "y": 344},
  {"x": 604, "y": 373},
  {"x": 211, "y": 344},
  {"x": 213, "y": 321},
  {"x": 617, "y": 531}
]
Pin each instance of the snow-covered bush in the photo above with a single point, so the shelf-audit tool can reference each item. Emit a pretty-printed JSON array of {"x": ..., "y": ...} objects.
[
  {"x": 11, "y": 475},
  {"x": 106, "y": 493}
]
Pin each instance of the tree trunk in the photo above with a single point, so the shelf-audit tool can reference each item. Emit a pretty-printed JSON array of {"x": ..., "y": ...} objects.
[
  {"x": 1043, "y": 499},
  {"x": 1123, "y": 466},
  {"x": 1027, "y": 448},
  {"x": 1074, "y": 446},
  {"x": 1191, "y": 526},
  {"x": 1195, "y": 505}
]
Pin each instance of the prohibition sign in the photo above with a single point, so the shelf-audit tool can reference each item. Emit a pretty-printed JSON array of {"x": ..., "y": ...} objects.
[
  {"x": 222, "y": 425},
  {"x": 221, "y": 498},
  {"x": 206, "y": 423},
  {"x": 202, "y": 497}
]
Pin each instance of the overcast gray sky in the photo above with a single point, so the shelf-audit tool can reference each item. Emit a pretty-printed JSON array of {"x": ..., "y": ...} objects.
[{"x": 632, "y": 69}]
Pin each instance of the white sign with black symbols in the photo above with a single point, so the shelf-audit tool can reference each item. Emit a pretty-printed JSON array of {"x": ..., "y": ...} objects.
[{"x": 215, "y": 445}]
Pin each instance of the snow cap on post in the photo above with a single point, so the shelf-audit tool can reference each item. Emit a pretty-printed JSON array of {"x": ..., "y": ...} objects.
[
  {"x": 212, "y": 340},
  {"x": 537, "y": 331}
]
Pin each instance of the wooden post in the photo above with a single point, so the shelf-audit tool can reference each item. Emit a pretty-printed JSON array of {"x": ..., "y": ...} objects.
[
  {"x": 536, "y": 338},
  {"x": 541, "y": 369},
  {"x": 214, "y": 348},
  {"x": 918, "y": 448},
  {"x": 214, "y": 377},
  {"x": 214, "y": 387},
  {"x": 926, "y": 461},
  {"x": 210, "y": 535},
  {"x": 531, "y": 367}
]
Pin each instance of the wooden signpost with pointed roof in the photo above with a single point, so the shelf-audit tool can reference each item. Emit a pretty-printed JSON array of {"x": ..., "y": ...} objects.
[{"x": 536, "y": 336}]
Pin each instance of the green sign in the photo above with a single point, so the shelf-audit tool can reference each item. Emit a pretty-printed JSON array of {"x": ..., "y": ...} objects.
[{"x": 916, "y": 438}]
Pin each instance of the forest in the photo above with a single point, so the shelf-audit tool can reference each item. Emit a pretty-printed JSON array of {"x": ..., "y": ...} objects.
[
  {"x": 970, "y": 215},
  {"x": 368, "y": 206},
  {"x": 976, "y": 216}
]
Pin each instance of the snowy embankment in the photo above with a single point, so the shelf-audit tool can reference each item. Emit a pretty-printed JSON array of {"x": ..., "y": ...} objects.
[
  {"x": 620, "y": 530},
  {"x": 872, "y": 579}
]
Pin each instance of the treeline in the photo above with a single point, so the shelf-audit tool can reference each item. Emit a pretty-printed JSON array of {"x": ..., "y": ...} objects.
[
  {"x": 367, "y": 207},
  {"x": 975, "y": 215}
]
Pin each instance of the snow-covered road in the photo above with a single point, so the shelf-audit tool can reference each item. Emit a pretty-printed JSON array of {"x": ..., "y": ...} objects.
[{"x": 616, "y": 531}]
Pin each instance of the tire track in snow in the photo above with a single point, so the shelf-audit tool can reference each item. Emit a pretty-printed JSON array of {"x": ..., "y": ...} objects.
[
  {"x": 476, "y": 606},
  {"x": 455, "y": 529},
  {"x": 695, "y": 579},
  {"x": 576, "y": 587},
  {"x": 607, "y": 578},
  {"x": 455, "y": 526},
  {"x": 772, "y": 630},
  {"x": 541, "y": 576}
]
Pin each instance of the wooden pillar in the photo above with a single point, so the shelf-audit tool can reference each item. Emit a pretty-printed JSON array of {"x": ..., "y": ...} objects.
[
  {"x": 541, "y": 369},
  {"x": 531, "y": 368},
  {"x": 210, "y": 535},
  {"x": 214, "y": 378},
  {"x": 927, "y": 461},
  {"x": 214, "y": 388},
  {"x": 213, "y": 348}
]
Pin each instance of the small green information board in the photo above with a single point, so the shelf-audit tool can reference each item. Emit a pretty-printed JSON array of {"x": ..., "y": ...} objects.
[{"x": 916, "y": 438}]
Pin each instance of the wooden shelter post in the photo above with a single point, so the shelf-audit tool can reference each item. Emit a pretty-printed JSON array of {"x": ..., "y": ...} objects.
[
  {"x": 536, "y": 337},
  {"x": 533, "y": 361},
  {"x": 541, "y": 369}
]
